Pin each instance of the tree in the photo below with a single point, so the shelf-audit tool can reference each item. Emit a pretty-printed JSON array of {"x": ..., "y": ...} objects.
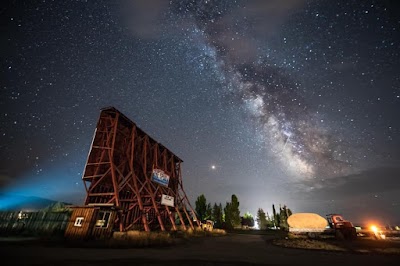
[
  {"x": 235, "y": 211},
  {"x": 270, "y": 221},
  {"x": 261, "y": 219},
  {"x": 247, "y": 220},
  {"x": 217, "y": 215},
  {"x": 232, "y": 213},
  {"x": 208, "y": 214},
  {"x": 289, "y": 212},
  {"x": 201, "y": 207},
  {"x": 228, "y": 215},
  {"x": 284, "y": 213},
  {"x": 56, "y": 207},
  {"x": 275, "y": 216}
]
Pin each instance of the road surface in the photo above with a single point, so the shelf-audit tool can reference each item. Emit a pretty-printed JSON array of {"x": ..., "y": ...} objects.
[{"x": 234, "y": 249}]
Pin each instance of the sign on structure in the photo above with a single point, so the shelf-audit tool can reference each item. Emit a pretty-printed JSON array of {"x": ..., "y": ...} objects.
[
  {"x": 160, "y": 177},
  {"x": 167, "y": 200}
]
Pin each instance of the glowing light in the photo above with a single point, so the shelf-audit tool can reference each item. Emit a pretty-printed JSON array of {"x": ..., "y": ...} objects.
[
  {"x": 54, "y": 183},
  {"x": 213, "y": 167},
  {"x": 374, "y": 229},
  {"x": 378, "y": 233}
]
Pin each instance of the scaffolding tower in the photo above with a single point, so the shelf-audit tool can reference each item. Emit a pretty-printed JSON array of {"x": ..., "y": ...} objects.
[{"x": 133, "y": 173}]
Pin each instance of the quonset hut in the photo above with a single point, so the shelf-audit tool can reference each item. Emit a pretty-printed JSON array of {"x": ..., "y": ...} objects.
[{"x": 131, "y": 182}]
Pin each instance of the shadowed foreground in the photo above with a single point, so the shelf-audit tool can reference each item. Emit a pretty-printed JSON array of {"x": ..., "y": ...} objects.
[{"x": 234, "y": 249}]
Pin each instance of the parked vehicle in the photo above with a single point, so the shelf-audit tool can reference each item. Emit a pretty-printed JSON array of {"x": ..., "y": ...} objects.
[
  {"x": 207, "y": 225},
  {"x": 313, "y": 225},
  {"x": 343, "y": 229}
]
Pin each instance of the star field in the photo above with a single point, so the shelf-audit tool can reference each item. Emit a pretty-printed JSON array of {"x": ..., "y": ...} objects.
[{"x": 292, "y": 102}]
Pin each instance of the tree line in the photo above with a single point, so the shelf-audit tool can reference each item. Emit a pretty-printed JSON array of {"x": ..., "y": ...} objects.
[
  {"x": 228, "y": 217},
  {"x": 275, "y": 220}
]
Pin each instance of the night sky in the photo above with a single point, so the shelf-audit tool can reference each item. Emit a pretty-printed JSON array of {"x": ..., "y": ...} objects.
[{"x": 278, "y": 101}]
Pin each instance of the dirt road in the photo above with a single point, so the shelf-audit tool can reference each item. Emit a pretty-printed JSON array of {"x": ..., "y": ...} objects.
[{"x": 233, "y": 249}]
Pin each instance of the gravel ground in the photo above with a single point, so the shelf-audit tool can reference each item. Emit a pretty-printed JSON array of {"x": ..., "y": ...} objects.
[
  {"x": 361, "y": 245},
  {"x": 233, "y": 249}
]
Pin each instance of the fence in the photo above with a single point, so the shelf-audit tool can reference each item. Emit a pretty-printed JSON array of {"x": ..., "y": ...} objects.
[{"x": 34, "y": 223}]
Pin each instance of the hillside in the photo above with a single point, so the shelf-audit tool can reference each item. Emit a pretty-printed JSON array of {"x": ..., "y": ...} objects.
[{"x": 12, "y": 202}]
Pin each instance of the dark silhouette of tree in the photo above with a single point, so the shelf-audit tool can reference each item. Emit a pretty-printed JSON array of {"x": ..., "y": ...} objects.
[
  {"x": 201, "y": 207},
  {"x": 217, "y": 215},
  {"x": 275, "y": 216},
  {"x": 270, "y": 221},
  {"x": 232, "y": 213},
  {"x": 284, "y": 213},
  {"x": 261, "y": 219},
  {"x": 208, "y": 212},
  {"x": 247, "y": 220},
  {"x": 228, "y": 215},
  {"x": 235, "y": 211}
]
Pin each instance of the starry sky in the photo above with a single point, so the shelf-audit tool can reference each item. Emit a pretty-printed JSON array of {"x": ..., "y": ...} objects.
[{"x": 292, "y": 102}]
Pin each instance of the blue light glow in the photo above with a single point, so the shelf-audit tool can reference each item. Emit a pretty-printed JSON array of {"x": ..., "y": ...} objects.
[{"x": 60, "y": 182}]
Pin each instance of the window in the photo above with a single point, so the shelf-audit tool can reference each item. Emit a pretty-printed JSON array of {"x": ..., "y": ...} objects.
[
  {"x": 338, "y": 219},
  {"x": 79, "y": 221},
  {"x": 103, "y": 219}
]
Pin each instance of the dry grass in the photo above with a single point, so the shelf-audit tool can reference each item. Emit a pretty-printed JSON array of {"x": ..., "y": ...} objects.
[
  {"x": 201, "y": 233},
  {"x": 306, "y": 236},
  {"x": 218, "y": 232},
  {"x": 361, "y": 245},
  {"x": 307, "y": 244},
  {"x": 136, "y": 238},
  {"x": 140, "y": 239}
]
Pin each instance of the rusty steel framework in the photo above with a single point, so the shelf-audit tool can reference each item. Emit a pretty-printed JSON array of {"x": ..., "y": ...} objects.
[{"x": 118, "y": 173}]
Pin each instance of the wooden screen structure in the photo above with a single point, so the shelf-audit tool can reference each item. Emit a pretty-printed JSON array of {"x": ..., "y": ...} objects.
[{"x": 120, "y": 172}]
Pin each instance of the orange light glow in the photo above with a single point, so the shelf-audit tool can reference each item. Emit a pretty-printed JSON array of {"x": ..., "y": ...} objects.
[{"x": 374, "y": 229}]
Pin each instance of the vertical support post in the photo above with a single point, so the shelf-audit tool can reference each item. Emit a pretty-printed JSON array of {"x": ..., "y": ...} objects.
[
  {"x": 188, "y": 217},
  {"x": 150, "y": 190},
  {"x": 180, "y": 218},
  {"x": 135, "y": 184},
  {"x": 185, "y": 197},
  {"x": 111, "y": 154},
  {"x": 171, "y": 218}
]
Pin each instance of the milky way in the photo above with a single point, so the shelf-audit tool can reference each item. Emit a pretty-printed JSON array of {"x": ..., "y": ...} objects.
[{"x": 271, "y": 97}]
